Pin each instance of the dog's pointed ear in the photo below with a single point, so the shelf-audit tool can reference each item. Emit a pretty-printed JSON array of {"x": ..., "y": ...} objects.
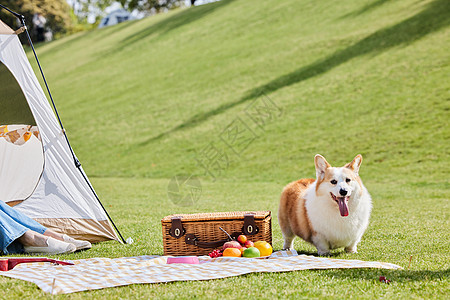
[
  {"x": 355, "y": 164},
  {"x": 321, "y": 166}
]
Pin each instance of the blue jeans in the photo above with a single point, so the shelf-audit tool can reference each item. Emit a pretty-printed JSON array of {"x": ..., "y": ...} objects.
[{"x": 13, "y": 225}]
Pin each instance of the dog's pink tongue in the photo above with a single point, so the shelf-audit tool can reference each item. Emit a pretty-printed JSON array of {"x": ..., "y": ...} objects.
[{"x": 343, "y": 208}]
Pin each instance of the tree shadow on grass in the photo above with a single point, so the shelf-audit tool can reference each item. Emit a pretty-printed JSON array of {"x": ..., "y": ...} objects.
[
  {"x": 178, "y": 19},
  {"x": 182, "y": 18},
  {"x": 434, "y": 17},
  {"x": 367, "y": 8}
]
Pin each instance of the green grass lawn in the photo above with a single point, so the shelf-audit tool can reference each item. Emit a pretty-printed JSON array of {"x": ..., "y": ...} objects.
[{"x": 145, "y": 100}]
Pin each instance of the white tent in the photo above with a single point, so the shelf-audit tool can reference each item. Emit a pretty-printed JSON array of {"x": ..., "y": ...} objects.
[
  {"x": 38, "y": 171},
  {"x": 115, "y": 17}
]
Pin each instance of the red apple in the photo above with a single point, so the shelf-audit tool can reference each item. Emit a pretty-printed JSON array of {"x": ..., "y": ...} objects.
[
  {"x": 249, "y": 244},
  {"x": 232, "y": 244},
  {"x": 242, "y": 239}
]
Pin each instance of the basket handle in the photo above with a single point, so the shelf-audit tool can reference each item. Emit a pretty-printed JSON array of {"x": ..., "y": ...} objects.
[{"x": 192, "y": 239}]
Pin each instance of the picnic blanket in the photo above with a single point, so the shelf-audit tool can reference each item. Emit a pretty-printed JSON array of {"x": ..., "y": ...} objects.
[{"x": 98, "y": 273}]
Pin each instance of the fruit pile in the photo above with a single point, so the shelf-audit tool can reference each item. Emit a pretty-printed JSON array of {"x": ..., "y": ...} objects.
[
  {"x": 243, "y": 247},
  {"x": 215, "y": 253}
]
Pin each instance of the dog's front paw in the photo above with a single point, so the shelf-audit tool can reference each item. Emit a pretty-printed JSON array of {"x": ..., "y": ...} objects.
[
  {"x": 323, "y": 253},
  {"x": 287, "y": 249},
  {"x": 351, "y": 249},
  {"x": 322, "y": 245}
]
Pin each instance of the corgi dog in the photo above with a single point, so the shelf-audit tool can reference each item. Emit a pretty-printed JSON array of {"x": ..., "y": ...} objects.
[{"x": 329, "y": 212}]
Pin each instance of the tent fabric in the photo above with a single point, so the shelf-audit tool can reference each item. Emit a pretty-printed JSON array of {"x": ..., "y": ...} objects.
[
  {"x": 5, "y": 29},
  {"x": 83, "y": 229},
  {"x": 21, "y": 161},
  {"x": 61, "y": 192},
  {"x": 20, "y": 168}
]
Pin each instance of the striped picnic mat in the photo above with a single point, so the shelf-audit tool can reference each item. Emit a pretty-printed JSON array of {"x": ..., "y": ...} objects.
[{"x": 98, "y": 273}]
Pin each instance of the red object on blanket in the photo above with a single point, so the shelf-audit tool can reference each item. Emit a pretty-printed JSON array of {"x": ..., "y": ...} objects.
[{"x": 9, "y": 263}]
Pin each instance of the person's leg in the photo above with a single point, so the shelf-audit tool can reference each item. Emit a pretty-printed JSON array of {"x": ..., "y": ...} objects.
[
  {"x": 80, "y": 244},
  {"x": 19, "y": 233},
  {"x": 40, "y": 34},
  {"x": 32, "y": 238},
  {"x": 13, "y": 217},
  {"x": 10, "y": 231},
  {"x": 53, "y": 234},
  {"x": 20, "y": 218},
  {"x": 34, "y": 242}
]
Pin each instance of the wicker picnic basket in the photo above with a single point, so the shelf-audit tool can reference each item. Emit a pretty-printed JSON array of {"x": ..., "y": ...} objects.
[{"x": 199, "y": 234}]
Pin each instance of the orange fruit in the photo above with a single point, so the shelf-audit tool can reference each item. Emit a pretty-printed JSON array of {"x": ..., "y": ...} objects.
[
  {"x": 264, "y": 248},
  {"x": 234, "y": 252}
]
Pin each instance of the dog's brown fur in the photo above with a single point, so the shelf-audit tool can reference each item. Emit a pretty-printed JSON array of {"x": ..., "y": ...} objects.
[{"x": 292, "y": 199}]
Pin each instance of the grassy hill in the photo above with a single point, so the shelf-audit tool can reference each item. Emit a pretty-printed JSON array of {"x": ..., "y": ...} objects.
[
  {"x": 146, "y": 100},
  {"x": 143, "y": 99},
  {"x": 349, "y": 79}
]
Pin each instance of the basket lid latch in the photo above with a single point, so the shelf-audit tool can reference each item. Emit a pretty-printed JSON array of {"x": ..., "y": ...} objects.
[
  {"x": 250, "y": 227},
  {"x": 177, "y": 229}
]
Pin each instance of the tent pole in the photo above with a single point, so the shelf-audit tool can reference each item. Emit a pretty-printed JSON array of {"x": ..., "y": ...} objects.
[
  {"x": 12, "y": 12},
  {"x": 76, "y": 161}
]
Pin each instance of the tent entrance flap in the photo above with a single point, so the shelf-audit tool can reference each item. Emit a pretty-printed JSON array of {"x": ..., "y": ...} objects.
[
  {"x": 14, "y": 106},
  {"x": 21, "y": 151}
]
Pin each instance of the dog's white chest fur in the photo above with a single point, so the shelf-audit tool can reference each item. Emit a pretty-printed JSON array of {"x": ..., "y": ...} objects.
[{"x": 328, "y": 224}]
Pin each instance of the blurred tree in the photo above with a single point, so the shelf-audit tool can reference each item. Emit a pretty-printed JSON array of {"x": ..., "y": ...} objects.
[
  {"x": 149, "y": 5},
  {"x": 56, "y": 13},
  {"x": 85, "y": 8}
]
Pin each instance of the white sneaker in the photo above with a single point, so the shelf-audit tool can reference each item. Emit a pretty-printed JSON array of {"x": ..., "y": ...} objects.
[
  {"x": 80, "y": 244},
  {"x": 54, "y": 246}
]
